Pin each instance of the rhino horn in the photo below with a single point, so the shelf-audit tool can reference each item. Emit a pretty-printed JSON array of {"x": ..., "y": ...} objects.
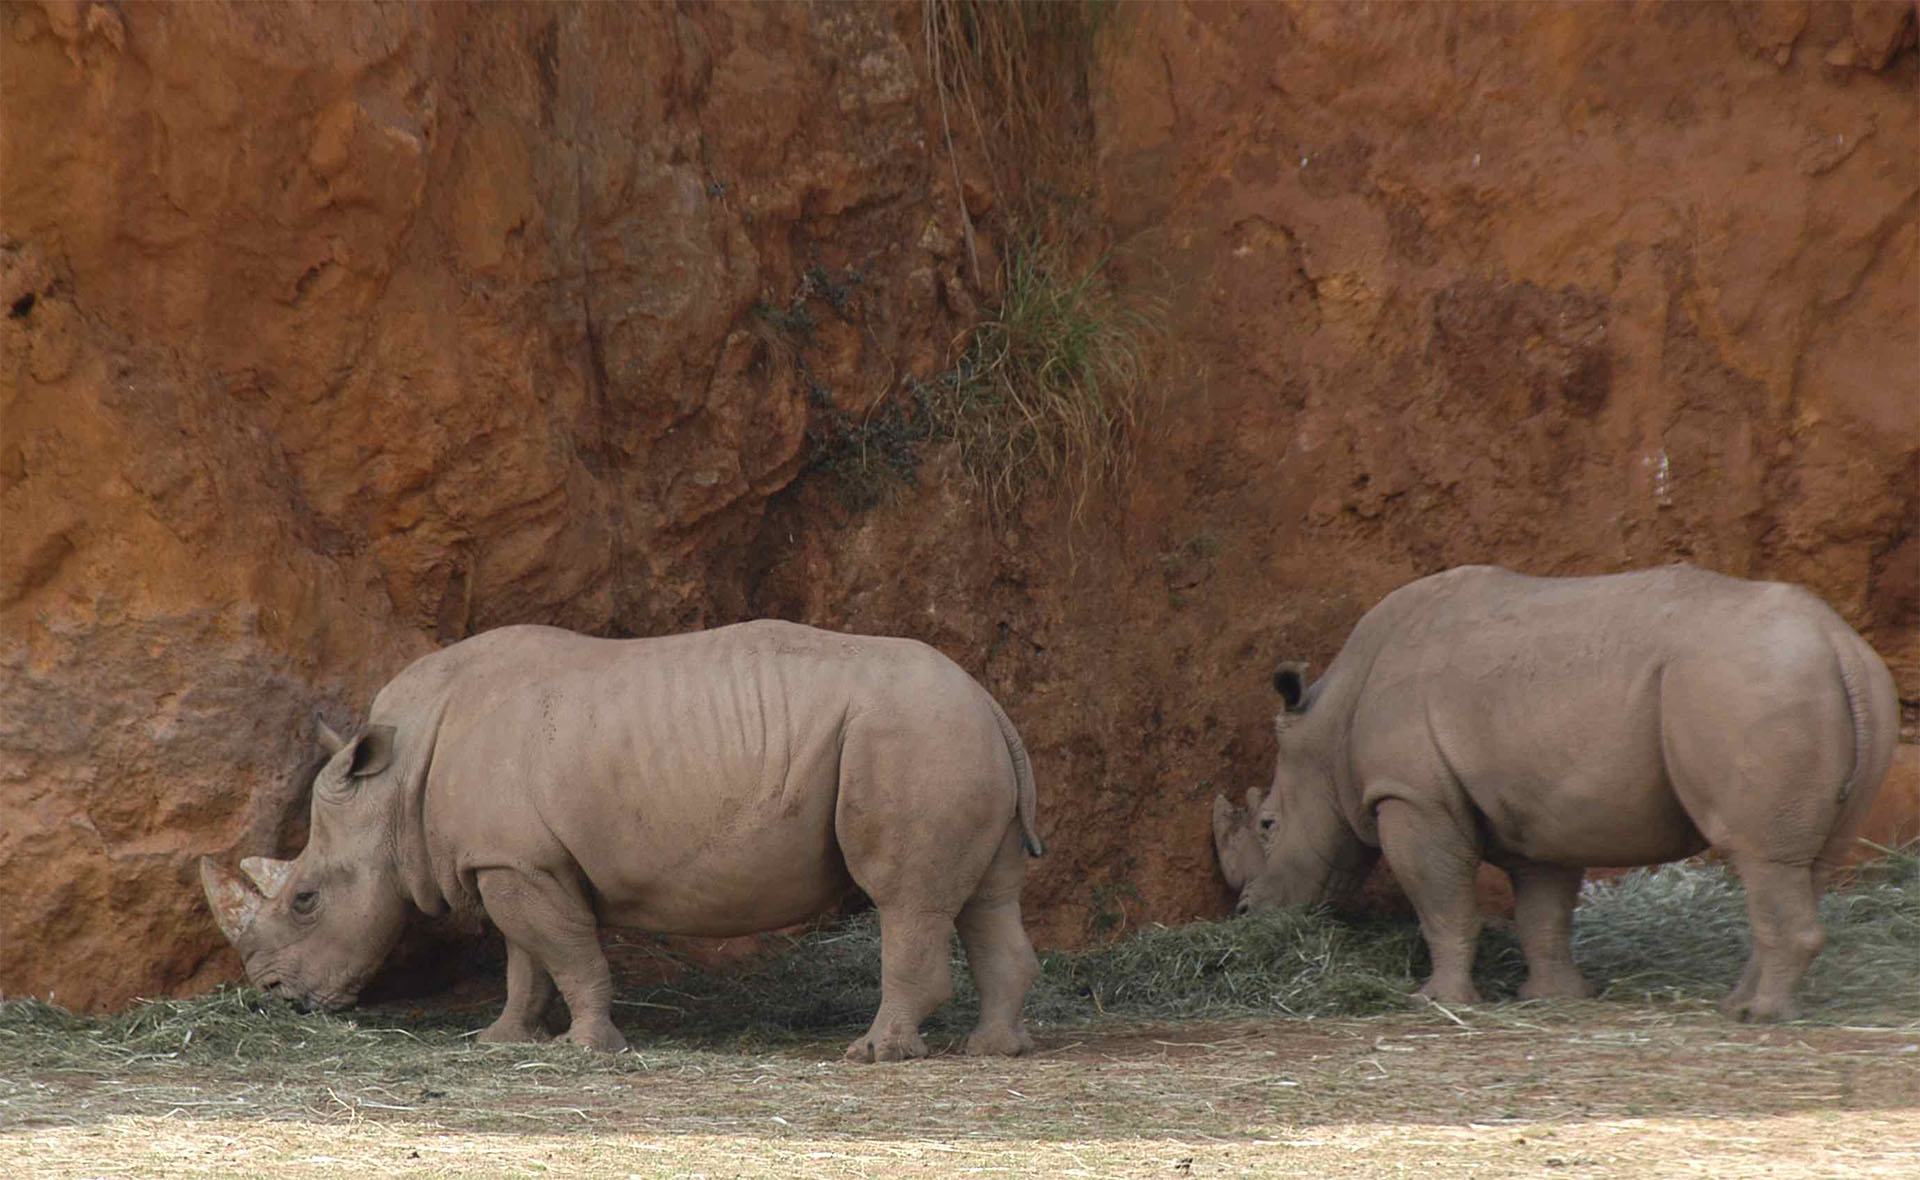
[
  {"x": 331, "y": 740},
  {"x": 267, "y": 873},
  {"x": 1229, "y": 824},
  {"x": 234, "y": 901}
]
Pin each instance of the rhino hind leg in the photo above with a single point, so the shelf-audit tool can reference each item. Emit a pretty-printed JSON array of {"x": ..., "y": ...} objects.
[
  {"x": 529, "y": 994},
  {"x": 1543, "y": 900},
  {"x": 1435, "y": 860},
  {"x": 999, "y": 954},
  {"x": 1786, "y": 937},
  {"x": 916, "y": 977},
  {"x": 552, "y": 923}
]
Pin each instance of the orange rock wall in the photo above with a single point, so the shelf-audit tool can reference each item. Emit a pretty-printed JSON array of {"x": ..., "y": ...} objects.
[{"x": 336, "y": 332}]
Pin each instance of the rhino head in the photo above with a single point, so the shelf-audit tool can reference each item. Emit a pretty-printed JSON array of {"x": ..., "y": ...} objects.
[
  {"x": 316, "y": 928},
  {"x": 1291, "y": 846}
]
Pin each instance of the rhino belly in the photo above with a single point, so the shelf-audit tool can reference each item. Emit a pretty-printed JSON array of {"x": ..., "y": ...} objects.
[
  {"x": 750, "y": 886},
  {"x": 1596, "y": 822}
]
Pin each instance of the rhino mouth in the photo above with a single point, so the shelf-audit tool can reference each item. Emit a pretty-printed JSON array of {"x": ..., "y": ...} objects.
[
  {"x": 305, "y": 1002},
  {"x": 278, "y": 983}
]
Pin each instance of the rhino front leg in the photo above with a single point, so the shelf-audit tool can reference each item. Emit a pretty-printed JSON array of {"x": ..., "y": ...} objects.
[
  {"x": 552, "y": 921},
  {"x": 1786, "y": 937},
  {"x": 529, "y": 993},
  {"x": 1543, "y": 900},
  {"x": 999, "y": 954},
  {"x": 1435, "y": 861}
]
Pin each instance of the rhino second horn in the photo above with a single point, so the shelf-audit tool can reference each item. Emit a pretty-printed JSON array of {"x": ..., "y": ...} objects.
[
  {"x": 268, "y": 874},
  {"x": 235, "y": 903}
]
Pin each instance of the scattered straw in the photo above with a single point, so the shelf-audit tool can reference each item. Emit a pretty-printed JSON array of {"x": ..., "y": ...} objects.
[{"x": 1663, "y": 940}]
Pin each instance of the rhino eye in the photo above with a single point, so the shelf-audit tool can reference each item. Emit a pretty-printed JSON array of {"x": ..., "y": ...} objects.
[
  {"x": 1266, "y": 822},
  {"x": 304, "y": 901}
]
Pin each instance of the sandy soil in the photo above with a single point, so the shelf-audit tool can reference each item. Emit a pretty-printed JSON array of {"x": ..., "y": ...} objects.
[{"x": 1533, "y": 1092}]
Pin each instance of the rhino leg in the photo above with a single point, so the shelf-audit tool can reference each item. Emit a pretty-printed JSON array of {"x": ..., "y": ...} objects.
[
  {"x": 1435, "y": 859},
  {"x": 999, "y": 954},
  {"x": 1786, "y": 937},
  {"x": 1543, "y": 898},
  {"x": 551, "y": 921},
  {"x": 529, "y": 993},
  {"x": 916, "y": 976}
]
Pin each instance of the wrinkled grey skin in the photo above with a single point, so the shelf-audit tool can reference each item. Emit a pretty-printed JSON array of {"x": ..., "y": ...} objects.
[
  {"x": 1549, "y": 725},
  {"x": 716, "y": 783}
]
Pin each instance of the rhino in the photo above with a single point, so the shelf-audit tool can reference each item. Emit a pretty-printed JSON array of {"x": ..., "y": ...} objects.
[
  {"x": 1549, "y": 725},
  {"x": 714, "y": 783}
]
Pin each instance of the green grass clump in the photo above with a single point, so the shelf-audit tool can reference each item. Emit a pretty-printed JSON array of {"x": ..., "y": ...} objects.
[
  {"x": 1050, "y": 390},
  {"x": 1047, "y": 393}
]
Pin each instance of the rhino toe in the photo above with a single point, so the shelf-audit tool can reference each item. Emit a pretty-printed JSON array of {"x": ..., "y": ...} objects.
[
  {"x": 503, "y": 1032},
  {"x": 861, "y": 1051},
  {"x": 1759, "y": 1009},
  {"x": 870, "y": 1049},
  {"x": 601, "y": 1037},
  {"x": 999, "y": 1042}
]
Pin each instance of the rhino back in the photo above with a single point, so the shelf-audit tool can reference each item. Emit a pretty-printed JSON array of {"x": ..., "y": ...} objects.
[
  {"x": 690, "y": 778},
  {"x": 1551, "y": 706}
]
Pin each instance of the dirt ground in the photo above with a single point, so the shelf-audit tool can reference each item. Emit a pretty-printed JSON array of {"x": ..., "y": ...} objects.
[{"x": 1573, "y": 1089}]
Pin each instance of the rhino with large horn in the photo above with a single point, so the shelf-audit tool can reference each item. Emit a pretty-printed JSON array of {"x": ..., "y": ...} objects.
[{"x": 716, "y": 783}]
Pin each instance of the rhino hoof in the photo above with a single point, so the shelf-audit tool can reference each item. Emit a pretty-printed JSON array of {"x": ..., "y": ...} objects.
[
  {"x": 999, "y": 1042},
  {"x": 1573, "y": 987},
  {"x": 1433, "y": 993},
  {"x": 502, "y": 1033},
  {"x": 601, "y": 1037},
  {"x": 870, "y": 1049},
  {"x": 1755, "y": 1010},
  {"x": 861, "y": 1051}
]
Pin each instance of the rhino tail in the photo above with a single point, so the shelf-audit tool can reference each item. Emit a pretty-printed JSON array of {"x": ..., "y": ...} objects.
[
  {"x": 1024, "y": 799},
  {"x": 1873, "y": 705},
  {"x": 1874, "y": 708}
]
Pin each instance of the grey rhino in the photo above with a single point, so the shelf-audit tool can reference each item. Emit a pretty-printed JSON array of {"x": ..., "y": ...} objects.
[
  {"x": 713, "y": 783},
  {"x": 1548, "y": 725}
]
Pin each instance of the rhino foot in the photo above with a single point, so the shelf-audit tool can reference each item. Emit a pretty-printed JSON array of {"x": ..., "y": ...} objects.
[
  {"x": 1000, "y": 1042},
  {"x": 1569, "y": 987},
  {"x": 1759, "y": 1009},
  {"x": 1440, "y": 993},
  {"x": 870, "y": 1048},
  {"x": 500, "y": 1032},
  {"x": 599, "y": 1036}
]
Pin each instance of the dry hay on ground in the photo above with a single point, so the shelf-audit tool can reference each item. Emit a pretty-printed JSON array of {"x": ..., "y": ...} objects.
[{"x": 1649, "y": 1081}]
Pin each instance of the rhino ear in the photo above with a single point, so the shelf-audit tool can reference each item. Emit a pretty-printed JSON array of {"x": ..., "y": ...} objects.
[
  {"x": 1290, "y": 681},
  {"x": 331, "y": 740},
  {"x": 372, "y": 751}
]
